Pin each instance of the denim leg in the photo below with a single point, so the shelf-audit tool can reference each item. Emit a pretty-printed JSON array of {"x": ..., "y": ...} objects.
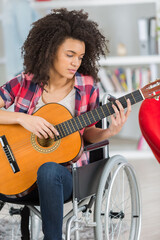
[{"x": 55, "y": 187}]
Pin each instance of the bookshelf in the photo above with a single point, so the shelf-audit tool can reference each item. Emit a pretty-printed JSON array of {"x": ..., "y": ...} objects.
[
  {"x": 112, "y": 16},
  {"x": 130, "y": 60},
  {"x": 2, "y": 51}
]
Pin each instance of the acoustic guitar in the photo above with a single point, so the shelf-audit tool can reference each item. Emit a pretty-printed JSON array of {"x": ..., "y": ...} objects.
[{"x": 22, "y": 152}]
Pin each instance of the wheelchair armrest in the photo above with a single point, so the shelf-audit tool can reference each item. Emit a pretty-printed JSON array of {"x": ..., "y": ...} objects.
[{"x": 94, "y": 146}]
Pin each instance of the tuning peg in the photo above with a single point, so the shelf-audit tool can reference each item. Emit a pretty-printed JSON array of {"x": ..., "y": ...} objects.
[{"x": 156, "y": 98}]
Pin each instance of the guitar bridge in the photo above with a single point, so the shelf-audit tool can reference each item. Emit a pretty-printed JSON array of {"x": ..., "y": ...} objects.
[{"x": 9, "y": 154}]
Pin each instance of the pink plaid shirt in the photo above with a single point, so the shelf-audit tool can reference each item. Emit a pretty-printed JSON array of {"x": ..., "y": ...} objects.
[{"x": 24, "y": 94}]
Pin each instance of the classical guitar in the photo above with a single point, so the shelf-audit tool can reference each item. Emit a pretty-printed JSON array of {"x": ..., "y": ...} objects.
[{"x": 22, "y": 153}]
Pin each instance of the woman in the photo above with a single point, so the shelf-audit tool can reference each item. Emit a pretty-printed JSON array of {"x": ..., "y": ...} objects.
[{"x": 60, "y": 57}]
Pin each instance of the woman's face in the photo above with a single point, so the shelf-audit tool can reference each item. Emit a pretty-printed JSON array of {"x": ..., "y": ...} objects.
[{"x": 68, "y": 58}]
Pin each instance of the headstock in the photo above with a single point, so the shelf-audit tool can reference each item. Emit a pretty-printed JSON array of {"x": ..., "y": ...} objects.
[{"x": 151, "y": 90}]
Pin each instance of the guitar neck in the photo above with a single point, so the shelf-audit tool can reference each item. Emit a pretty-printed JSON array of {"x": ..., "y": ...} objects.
[{"x": 77, "y": 123}]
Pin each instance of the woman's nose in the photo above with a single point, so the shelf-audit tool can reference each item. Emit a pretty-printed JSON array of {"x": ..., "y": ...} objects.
[{"x": 75, "y": 62}]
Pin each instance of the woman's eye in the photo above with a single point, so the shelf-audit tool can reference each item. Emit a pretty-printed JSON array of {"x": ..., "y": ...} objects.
[{"x": 69, "y": 55}]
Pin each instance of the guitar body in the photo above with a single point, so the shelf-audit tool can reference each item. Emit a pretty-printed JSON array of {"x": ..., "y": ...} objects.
[{"x": 30, "y": 155}]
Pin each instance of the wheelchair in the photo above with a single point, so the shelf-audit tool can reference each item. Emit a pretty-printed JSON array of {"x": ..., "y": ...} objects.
[{"x": 106, "y": 202}]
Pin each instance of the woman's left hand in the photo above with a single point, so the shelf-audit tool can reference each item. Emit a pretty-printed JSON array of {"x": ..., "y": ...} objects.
[{"x": 119, "y": 117}]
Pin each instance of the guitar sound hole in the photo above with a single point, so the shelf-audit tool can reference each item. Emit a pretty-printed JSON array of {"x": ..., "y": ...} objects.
[{"x": 45, "y": 142}]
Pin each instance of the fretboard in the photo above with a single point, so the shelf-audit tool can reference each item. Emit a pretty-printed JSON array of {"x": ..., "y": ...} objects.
[{"x": 77, "y": 123}]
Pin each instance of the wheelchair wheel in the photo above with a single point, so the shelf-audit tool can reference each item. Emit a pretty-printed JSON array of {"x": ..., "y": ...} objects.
[{"x": 117, "y": 208}]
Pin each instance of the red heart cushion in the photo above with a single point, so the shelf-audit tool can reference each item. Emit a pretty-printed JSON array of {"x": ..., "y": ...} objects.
[{"x": 149, "y": 120}]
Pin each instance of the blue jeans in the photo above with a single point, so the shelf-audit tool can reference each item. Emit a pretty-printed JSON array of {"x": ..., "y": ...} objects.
[{"x": 55, "y": 187}]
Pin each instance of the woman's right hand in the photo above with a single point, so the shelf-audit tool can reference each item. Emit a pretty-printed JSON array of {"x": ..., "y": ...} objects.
[{"x": 37, "y": 125}]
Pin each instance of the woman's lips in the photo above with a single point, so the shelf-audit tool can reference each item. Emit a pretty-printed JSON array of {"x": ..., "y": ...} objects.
[{"x": 72, "y": 70}]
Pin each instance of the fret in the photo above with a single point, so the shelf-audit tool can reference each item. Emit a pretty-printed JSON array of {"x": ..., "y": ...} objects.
[
  {"x": 80, "y": 121},
  {"x": 58, "y": 127},
  {"x": 96, "y": 117},
  {"x": 74, "y": 124},
  {"x": 93, "y": 116},
  {"x": 88, "y": 118},
  {"x": 65, "y": 130},
  {"x": 104, "y": 115},
  {"x": 109, "y": 110},
  {"x": 138, "y": 96},
  {"x": 133, "y": 97},
  {"x": 88, "y": 122},
  {"x": 56, "y": 138},
  {"x": 105, "y": 110},
  {"x": 101, "y": 112},
  {"x": 74, "y": 119},
  {"x": 69, "y": 129},
  {"x": 123, "y": 101},
  {"x": 83, "y": 116},
  {"x": 74, "y": 129},
  {"x": 98, "y": 113},
  {"x": 85, "y": 120}
]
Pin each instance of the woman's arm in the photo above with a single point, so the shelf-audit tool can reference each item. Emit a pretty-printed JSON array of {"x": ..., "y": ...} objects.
[
  {"x": 37, "y": 125},
  {"x": 93, "y": 134}
]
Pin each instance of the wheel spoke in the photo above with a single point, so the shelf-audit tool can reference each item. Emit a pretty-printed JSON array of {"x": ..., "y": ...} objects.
[{"x": 118, "y": 204}]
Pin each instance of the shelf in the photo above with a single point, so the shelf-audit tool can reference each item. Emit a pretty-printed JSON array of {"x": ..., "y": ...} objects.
[
  {"x": 76, "y": 3},
  {"x": 132, "y": 60}
]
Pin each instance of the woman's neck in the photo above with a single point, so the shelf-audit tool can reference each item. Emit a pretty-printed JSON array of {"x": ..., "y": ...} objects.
[{"x": 61, "y": 83}]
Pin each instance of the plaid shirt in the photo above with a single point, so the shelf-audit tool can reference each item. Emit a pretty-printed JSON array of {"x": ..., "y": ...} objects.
[{"x": 24, "y": 94}]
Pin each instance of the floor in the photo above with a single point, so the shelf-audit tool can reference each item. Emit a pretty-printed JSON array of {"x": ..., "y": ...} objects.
[{"x": 148, "y": 174}]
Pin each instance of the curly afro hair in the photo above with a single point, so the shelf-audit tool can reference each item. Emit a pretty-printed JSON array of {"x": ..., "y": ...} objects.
[{"x": 49, "y": 32}]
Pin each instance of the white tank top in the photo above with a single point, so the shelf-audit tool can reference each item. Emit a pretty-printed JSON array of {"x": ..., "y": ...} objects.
[{"x": 68, "y": 102}]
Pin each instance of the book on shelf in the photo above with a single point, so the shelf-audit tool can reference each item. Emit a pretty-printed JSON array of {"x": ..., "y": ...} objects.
[
  {"x": 123, "y": 79},
  {"x": 152, "y": 36},
  {"x": 143, "y": 34},
  {"x": 128, "y": 72},
  {"x": 105, "y": 80},
  {"x": 145, "y": 76},
  {"x": 117, "y": 85},
  {"x": 147, "y": 34},
  {"x": 140, "y": 77},
  {"x": 158, "y": 32},
  {"x": 121, "y": 76}
]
